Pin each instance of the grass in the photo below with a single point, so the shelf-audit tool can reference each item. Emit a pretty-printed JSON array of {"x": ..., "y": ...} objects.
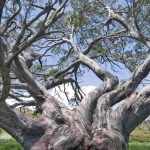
[
  {"x": 139, "y": 140},
  {"x": 139, "y": 146},
  {"x": 9, "y": 144}
]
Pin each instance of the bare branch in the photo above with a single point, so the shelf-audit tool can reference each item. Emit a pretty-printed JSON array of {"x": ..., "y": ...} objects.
[
  {"x": 61, "y": 72},
  {"x": 23, "y": 46},
  {"x": 19, "y": 86},
  {"x": 4, "y": 70},
  {"x": 135, "y": 109},
  {"x": 125, "y": 90},
  {"x": 8, "y": 22},
  {"x": 14, "y": 124},
  {"x": 113, "y": 35},
  {"x": 91, "y": 45},
  {"x": 132, "y": 33},
  {"x": 55, "y": 82},
  {"x": 2, "y": 3},
  {"x": 45, "y": 10},
  {"x": 88, "y": 103},
  {"x": 24, "y": 103}
]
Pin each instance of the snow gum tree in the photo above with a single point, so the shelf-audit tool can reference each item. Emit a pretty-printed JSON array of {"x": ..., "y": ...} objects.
[{"x": 44, "y": 44}]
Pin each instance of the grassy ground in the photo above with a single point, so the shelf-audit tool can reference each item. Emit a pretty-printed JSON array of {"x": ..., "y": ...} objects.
[
  {"x": 10, "y": 144},
  {"x": 139, "y": 140},
  {"x": 139, "y": 146},
  {"x": 7, "y": 142}
]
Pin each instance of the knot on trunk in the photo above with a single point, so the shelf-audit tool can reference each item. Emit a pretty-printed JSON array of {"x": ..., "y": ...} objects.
[
  {"x": 107, "y": 140},
  {"x": 62, "y": 138}
]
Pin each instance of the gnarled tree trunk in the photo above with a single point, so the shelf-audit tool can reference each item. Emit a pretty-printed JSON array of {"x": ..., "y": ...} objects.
[
  {"x": 70, "y": 133},
  {"x": 94, "y": 125}
]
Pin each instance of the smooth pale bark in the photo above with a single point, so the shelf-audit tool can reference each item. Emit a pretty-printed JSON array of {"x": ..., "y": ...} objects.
[{"x": 94, "y": 125}]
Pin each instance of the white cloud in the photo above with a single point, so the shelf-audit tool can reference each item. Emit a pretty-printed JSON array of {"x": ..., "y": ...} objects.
[
  {"x": 11, "y": 101},
  {"x": 60, "y": 94}
]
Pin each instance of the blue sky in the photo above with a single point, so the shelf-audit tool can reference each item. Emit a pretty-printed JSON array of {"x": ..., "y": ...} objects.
[{"x": 89, "y": 78}]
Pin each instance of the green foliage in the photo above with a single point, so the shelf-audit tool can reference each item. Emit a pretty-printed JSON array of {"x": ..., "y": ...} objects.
[
  {"x": 38, "y": 68},
  {"x": 39, "y": 24},
  {"x": 9, "y": 144},
  {"x": 87, "y": 18},
  {"x": 53, "y": 71}
]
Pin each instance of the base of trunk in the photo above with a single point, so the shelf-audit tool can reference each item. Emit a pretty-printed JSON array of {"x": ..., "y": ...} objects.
[{"x": 68, "y": 138}]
